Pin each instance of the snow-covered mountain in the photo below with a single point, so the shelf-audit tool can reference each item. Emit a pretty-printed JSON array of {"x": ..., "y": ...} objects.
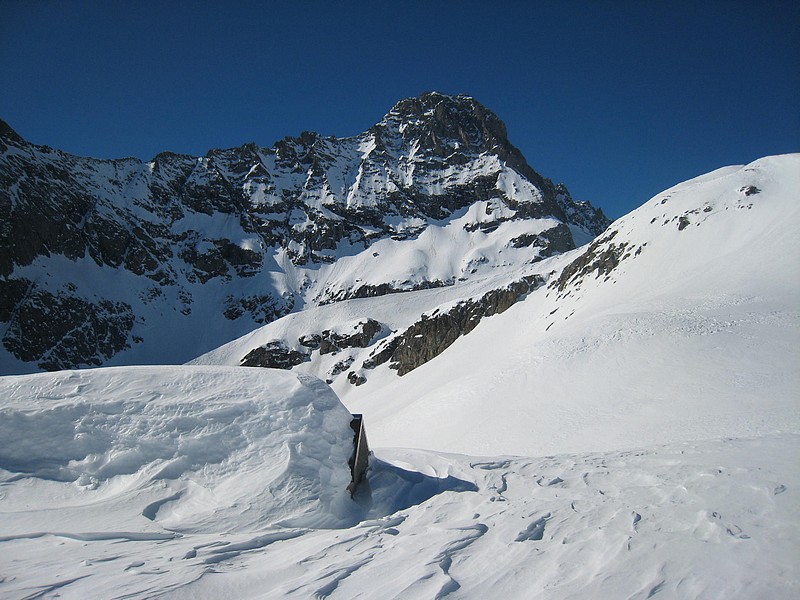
[
  {"x": 618, "y": 420},
  {"x": 125, "y": 262}
]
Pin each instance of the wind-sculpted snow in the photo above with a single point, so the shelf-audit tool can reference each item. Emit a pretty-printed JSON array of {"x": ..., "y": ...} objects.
[
  {"x": 715, "y": 519},
  {"x": 198, "y": 449},
  {"x": 214, "y": 462}
]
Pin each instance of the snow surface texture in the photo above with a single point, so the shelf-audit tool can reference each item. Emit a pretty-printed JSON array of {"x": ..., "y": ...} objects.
[
  {"x": 716, "y": 519},
  {"x": 649, "y": 392},
  {"x": 203, "y": 448}
]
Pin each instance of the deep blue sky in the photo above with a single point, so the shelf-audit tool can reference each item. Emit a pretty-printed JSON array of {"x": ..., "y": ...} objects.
[{"x": 618, "y": 100}]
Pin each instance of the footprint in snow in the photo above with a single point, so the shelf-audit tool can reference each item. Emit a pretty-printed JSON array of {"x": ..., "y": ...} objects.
[{"x": 730, "y": 528}]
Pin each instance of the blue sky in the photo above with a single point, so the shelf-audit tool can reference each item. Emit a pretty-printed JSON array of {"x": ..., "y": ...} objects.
[{"x": 618, "y": 100}]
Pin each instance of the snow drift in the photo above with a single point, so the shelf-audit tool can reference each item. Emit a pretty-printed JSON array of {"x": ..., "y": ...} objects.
[
  {"x": 189, "y": 449},
  {"x": 181, "y": 469}
]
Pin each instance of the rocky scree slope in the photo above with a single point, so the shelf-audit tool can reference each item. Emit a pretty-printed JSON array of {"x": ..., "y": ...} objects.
[{"x": 124, "y": 261}]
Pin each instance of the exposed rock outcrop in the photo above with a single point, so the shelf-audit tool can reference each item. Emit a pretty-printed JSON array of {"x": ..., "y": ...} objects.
[
  {"x": 274, "y": 355},
  {"x": 60, "y": 331},
  {"x": 332, "y": 342},
  {"x": 600, "y": 259},
  {"x": 431, "y": 335}
]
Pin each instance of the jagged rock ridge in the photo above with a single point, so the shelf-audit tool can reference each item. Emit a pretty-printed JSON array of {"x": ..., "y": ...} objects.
[{"x": 114, "y": 261}]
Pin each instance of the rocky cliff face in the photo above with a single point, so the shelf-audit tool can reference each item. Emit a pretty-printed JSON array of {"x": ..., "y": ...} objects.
[
  {"x": 129, "y": 261},
  {"x": 431, "y": 335}
]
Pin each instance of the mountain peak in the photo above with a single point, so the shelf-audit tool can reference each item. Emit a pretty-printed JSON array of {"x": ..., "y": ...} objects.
[
  {"x": 450, "y": 125},
  {"x": 377, "y": 206},
  {"x": 460, "y": 119},
  {"x": 433, "y": 102}
]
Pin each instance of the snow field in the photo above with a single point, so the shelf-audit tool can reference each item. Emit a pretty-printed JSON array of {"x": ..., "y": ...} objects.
[
  {"x": 704, "y": 520},
  {"x": 696, "y": 337}
]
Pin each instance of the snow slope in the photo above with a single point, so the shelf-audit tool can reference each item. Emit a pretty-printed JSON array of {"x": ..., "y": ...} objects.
[
  {"x": 660, "y": 331},
  {"x": 696, "y": 337}
]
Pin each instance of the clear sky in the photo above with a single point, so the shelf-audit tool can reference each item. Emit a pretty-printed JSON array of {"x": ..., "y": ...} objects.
[{"x": 618, "y": 100}]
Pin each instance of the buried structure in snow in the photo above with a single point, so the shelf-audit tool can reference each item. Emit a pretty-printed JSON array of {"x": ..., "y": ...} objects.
[
  {"x": 360, "y": 459},
  {"x": 192, "y": 450}
]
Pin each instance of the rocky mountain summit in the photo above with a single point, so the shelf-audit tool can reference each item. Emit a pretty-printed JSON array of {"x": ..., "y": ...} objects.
[{"x": 124, "y": 261}]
